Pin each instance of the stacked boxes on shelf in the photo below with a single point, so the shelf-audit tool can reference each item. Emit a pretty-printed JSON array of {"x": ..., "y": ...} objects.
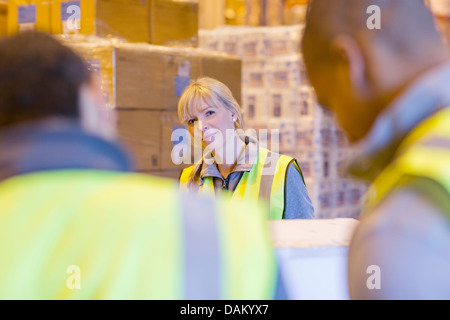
[
  {"x": 21, "y": 15},
  {"x": 143, "y": 83},
  {"x": 270, "y": 75},
  {"x": 277, "y": 99},
  {"x": 51, "y": 16},
  {"x": 161, "y": 22},
  {"x": 3, "y": 17},
  {"x": 141, "y": 79}
]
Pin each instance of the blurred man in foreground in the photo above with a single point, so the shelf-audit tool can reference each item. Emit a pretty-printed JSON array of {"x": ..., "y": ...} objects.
[
  {"x": 389, "y": 86},
  {"x": 75, "y": 223}
]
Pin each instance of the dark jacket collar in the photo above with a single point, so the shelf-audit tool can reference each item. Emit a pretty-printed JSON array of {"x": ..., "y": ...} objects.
[
  {"x": 57, "y": 144},
  {"x": 248, "y": 153}
]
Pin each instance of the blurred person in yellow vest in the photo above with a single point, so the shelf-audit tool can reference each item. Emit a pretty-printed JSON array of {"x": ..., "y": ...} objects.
[
  {"x": 381, "y": 66},
  {"x": 77, "y": 223},
  {"x": 232, "y": 160}
]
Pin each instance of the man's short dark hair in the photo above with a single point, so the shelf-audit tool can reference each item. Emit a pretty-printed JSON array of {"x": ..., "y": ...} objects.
[{"x": 39, "y": 78}]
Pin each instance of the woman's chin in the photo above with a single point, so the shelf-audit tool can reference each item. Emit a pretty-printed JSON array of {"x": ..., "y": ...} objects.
[{"x": 208, "y": 146}]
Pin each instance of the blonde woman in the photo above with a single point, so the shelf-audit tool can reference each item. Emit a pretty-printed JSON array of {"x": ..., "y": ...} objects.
[{"x": 232, "y": 160}]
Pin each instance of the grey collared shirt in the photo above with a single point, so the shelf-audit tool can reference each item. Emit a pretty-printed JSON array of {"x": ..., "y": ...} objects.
[{"x": 298, "y": 204}]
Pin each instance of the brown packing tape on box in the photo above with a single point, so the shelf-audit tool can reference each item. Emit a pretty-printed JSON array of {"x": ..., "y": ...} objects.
[{"x": 140, "y": 131}]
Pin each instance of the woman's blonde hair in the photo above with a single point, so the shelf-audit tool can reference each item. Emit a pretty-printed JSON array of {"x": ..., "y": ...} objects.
[{"x": 212, "y": 92}]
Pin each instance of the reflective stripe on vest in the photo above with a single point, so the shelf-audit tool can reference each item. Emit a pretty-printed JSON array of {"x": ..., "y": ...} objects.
[
  {"x": 201, "y": 250},
  {"x": 425, "y": 152},
  {"x": 266, "y": 180}
]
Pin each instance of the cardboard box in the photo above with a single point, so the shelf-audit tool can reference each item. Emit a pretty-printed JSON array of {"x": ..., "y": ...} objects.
[
  {"x": 225, "y": 69},
  {"x": 151, "y": 77},
  {"x": 73, "y": 17},
  {"x": 313, "y": 256},
  {"x": 114, "y": 19},
  {"x": 148, "y": 134},
  {"x": 144, "y": 76},
  {"x": 211, "y": 14},
  {"x": 161, "y": 22},
  {"x": 154, "y": 77},
  {"x": 177, "y": 151},
  {"x": 174, "y": 22},
  {"x": 24, "y": 15},
  {"x": 3, "y": 18},
  {"x": 99, "y": 56},
  {"x": 140, "y": 131}
]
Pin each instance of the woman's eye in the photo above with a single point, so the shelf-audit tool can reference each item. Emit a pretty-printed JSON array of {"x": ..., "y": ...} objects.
[
  {"x": 191, "y": 122},
  {"x": 208, "y": 113}
]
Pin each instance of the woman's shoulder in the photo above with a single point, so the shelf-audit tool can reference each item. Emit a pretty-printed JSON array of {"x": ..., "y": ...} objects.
[{"x": 275, "y": 154}]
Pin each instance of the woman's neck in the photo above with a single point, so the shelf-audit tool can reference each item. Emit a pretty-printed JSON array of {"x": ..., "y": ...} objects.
[
  {"x": 227, "y": 158},
  {"x": 225, "y": 169}
]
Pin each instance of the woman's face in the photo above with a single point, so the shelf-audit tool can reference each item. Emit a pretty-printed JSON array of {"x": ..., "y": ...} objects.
[{"x": 212, "y": 125}]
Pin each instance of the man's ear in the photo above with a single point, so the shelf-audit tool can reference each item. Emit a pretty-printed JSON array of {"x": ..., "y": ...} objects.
[
  {"x": 350, "y": 60},
  {"x": 95, "y": 116}
]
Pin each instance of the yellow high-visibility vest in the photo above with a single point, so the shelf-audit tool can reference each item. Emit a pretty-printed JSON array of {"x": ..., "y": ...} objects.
[
  {"x": 264, "y": 182},
  {"x": 89, "y": 234},
  {"x": 425, "y": 152}
]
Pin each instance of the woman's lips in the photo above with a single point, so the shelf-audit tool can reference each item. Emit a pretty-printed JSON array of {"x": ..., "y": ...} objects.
[{"x": 208, "y": 138}]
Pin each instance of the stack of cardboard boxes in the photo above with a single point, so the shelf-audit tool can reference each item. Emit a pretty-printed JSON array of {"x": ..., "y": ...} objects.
[
  {"x": 54, "y": 16},
  {"x": 143, "y": 83},
  {"x": 281, "y": 106},
  {"x": 145, "y": 53},
  {"x": 162, "y": 22}
]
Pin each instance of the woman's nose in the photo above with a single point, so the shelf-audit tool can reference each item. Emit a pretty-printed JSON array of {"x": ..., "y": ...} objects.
[{"x": 202, "y": 125}]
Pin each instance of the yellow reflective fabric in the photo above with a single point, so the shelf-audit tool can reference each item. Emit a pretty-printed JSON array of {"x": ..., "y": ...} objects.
[
  {"x": 246, "y": 276},
  {"x": 277, "y": 196},
  {"x": 74, "y": 235},
  {"x": 250, "y": 183},
  {"x": 184, "y": 178},
  {"x": 425, "y": 152},
  {"x": 208, "y": 185}
]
